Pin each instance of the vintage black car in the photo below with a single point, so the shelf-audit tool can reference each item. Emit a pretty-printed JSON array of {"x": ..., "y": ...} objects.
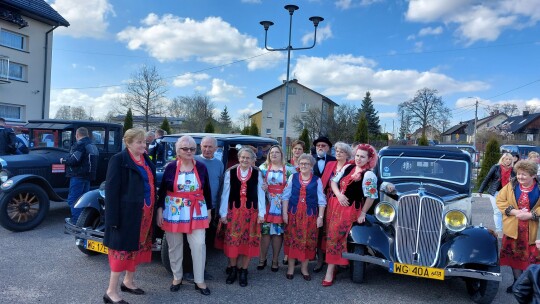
[
  {"x": 89, "y": 229},
  {"x": 30, "y": 181},
  {"x": 424, "y": 228}
]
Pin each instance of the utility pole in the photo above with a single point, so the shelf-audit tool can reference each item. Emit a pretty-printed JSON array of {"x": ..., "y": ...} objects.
[{"x": 475, "y": 122}]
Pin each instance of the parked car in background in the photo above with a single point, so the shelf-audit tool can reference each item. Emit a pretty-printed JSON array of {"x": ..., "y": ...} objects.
[
  {"x": 475, "y": 156},
  {"x": 90, "y": 227},
  {"x": 30, "y": 181},
  {"x": 522, "y": 150},
  {"x": 424, "y": 228}
]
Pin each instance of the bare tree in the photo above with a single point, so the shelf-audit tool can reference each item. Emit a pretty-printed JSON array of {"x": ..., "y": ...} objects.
[
  {"x": 311, "y": 121},
  {"x": 344, "y": 123},
  {"x": 64, "y": 112},
  {"x": 531, "y": 109},
  {"x": 244, "y": 120},
  {"x": 78, "y": 113},
  {"x": 197, "y": 111},
  {"x": 145, "y": 94},
  {"x": 509, "y": 109},
  {"x": 424, "y": 109}
]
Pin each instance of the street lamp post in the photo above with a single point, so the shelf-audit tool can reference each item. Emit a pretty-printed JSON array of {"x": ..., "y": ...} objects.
[{"x": 266, "y": 24}]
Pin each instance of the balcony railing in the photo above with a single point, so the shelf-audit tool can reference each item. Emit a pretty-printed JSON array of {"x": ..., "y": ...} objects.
[{"x": 4, "y": 69}]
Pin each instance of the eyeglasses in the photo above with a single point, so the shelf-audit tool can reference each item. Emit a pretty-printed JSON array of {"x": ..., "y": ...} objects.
[
  {"x": 304, "y": 164},
  {"x": 186, "y": 149},
  {"x": 321, "y": 146}
]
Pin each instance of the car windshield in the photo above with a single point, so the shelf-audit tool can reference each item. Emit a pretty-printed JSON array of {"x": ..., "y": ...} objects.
[{"x": 448, "y": 170}]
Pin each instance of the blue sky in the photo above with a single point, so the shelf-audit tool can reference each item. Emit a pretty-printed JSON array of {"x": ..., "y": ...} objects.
[{"x": 485, "y": 49}]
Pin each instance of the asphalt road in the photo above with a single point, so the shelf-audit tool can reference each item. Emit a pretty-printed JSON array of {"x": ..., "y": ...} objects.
[{"x": 45, "y": 266}]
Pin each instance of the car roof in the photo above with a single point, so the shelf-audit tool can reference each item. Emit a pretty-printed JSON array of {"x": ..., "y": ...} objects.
[
  {"x": 65, "y": 124},
  {"x": 425, "y": 151}
]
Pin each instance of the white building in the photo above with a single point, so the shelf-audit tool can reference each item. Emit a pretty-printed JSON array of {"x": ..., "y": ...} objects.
[
  {"x": 301, "y": 100},
  {"x": 26, "y": 28}
]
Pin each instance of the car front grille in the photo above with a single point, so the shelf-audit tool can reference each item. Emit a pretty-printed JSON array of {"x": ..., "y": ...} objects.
[{"x": 418, "y": 229}]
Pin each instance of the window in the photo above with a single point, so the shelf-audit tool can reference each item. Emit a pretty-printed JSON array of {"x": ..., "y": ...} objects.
[
  {"x": 292, "y": 91},
  {"x": 282, "y": 106},
  {"x": 112, "y": 142},
  {"x": 17, "y": 71},
  {"x": 304, "y": 107},
  {"x": 269, "y": 114},
  {"x": 268, "y": 131},
  {"x": 11, "y": 112},
  {"x": 13, "y": 40},
  {"x": 281, "y": 123}
]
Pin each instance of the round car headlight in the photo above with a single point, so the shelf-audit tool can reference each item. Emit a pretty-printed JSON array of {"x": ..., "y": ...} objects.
[
  {"x": 385, "y": 212},
  {"x": 455, "y": 220},
  {"x": 4, "y": 176}
]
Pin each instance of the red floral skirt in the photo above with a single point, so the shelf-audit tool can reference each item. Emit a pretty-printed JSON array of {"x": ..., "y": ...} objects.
[
  {"x": 128, "y": 260},
  {"x": 518, "y": 253},
  {"x": 339, "y": 221},
  {"x": 241, "y": 235},
  {"x": 300, "y": 240}
]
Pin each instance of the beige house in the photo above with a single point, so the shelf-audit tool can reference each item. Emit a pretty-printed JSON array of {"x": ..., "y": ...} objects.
[
  {"x": 301, "y": 100},
  {"x": 25, "y": 58}
]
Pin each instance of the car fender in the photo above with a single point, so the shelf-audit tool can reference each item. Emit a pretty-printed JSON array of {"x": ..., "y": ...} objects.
[
  {"x": 464, "y": 247},
  {"x": 30, "y": 179},
  {"x": 372, "y": 235},
  {"x": 89, "y": 199}
]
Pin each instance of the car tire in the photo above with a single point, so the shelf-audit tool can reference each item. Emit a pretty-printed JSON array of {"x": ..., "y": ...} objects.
[
  {"x": 483, "y": 291},
  {"x": 165, "y": 254},
  {"x": 89, "y": 218},
  {"x": 23, "y": 208},
  {"x": 358, "y": 267}
]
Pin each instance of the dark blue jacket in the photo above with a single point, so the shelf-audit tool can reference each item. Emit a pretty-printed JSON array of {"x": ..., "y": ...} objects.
[
  {"x": 7, "y": 141},
  {"x": 82, "y": 160}
]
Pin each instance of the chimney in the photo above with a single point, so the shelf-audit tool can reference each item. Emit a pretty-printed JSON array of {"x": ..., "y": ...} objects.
[
  {"x": 496, "y": 112},
  {"x": 525, "y": 113}
]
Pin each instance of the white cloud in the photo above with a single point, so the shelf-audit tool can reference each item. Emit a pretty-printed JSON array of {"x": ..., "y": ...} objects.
[
  {"x": 323, "y": 33},
  {"x": 346, "y": 4},
  {"x": 484, "y": 20},
  {"x": 250, "y": 109},
  {"x": 221, "y": 91},
  {"x": 430, "y": 31},
  {"x": 351, "y": 77},
  {"x": 88, "y": 67},
  {"x": 189, "y": 79},
  {"x": 87, "y": 18},
  {"x": 98, "y": 106},
  {"x": 211, "y": 40}
]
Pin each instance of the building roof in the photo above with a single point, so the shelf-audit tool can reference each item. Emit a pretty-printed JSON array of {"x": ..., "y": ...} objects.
[
  {"x": 517, "y": 124},
  {"x": 297, "y": 83},
  {"x": 255, "y": 113},
  {"x": 37, "y": 9},
  {"x": 456, "y": 129},
  {"x": 464, "y": 124}
]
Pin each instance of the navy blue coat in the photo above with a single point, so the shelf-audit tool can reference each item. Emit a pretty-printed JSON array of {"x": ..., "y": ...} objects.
[{"x": 124, "y": 200}]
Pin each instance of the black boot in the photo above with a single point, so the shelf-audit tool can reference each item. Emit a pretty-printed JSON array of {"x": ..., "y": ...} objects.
[
  {"x": 242, "y": 280},
  {"x": 231, "y": 278},
  {"x": 509, "y": 289}
]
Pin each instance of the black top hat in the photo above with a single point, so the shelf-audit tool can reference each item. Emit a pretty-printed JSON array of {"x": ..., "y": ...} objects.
[{"x": 323, "y": 139}]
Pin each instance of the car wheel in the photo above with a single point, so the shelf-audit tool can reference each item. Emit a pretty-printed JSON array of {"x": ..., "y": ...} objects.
[
  {"x": 165, "y": 254},
  {"x": 24, "y": 208},
  {"x": 89, "y": 218},
  {"x": 483, "y": 291},
  {"x": 358, "y": 267}
]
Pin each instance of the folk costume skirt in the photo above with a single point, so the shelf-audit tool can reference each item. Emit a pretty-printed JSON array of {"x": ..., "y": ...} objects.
[{"x": 301, "y": 234}]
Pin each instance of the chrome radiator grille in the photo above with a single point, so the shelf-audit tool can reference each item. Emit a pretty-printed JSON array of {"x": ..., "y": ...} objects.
[{"x": 418, "y": 229}]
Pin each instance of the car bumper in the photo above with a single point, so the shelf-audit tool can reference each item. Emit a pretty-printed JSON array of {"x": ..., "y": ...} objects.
[
  {"x": 448, "y": 272},
  {"x": 82, "y": 233}
]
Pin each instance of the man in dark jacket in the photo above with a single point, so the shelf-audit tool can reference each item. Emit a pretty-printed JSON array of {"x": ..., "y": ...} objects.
[
  {"x": 81, "y": 169},
  {"x": 322, "y": 149},
  {"x": 7, "y": 139},
  {"x": 156, "y": 149}
]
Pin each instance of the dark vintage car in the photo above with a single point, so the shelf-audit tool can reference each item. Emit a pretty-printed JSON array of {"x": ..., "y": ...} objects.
[
  {"x": 424, "y": 228},
  {"x": 30, "y": 181},
  {"x": 89, "y": 229}
]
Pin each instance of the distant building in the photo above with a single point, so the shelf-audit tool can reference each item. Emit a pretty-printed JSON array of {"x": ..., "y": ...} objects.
[
  {"x": 464, "y": 131},
  {"x": 26, "y": 36},
  {"x": 256, "y": 118},
  {"x": 301, "y": 99},
  {"x": 524, "y": 128},
  {"x": 431, "y": 133}
]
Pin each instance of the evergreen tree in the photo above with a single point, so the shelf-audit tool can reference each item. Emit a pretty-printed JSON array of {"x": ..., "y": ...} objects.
[
  {"x": 225, "y": 121},
  {"x": 254, "y": 130},
  {"x": 128, "y": 120},
  {"x": 371, "y": 116},
  {"x": 245, "y": 130},
  {"x": 361, "y": 135},
  {"x": 305, "y": 138},
  {"x": 423, "y": 141},
  {"x": 165, "y": 126},
  {"x": 491, "y": 157},
  {"x": 209, "y": 128}
]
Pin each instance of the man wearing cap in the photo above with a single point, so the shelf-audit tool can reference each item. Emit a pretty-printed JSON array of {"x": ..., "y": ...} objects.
[{"x": 322, "y": 147}]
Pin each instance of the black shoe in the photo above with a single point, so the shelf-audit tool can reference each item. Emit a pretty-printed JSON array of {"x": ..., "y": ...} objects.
[
  {"x": 203, "y": 291},
  {"x": 509, "y": 289},
  {"x": 318, "y": 269},
  {"x": 231, "y": 278},
  {"x": 274, "y": 269},
  {"x": 135, "y": 291},
  {"x": 175, "y": 287},
  {"x": 261, "y": 266},
  {"x": 107, "y": 299},
  {"x": 289, "y": 276},
  {"x": 242, "y": 280},
  {"x": 228, "y": 270},
  {"x": 285, "y": 262}
]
